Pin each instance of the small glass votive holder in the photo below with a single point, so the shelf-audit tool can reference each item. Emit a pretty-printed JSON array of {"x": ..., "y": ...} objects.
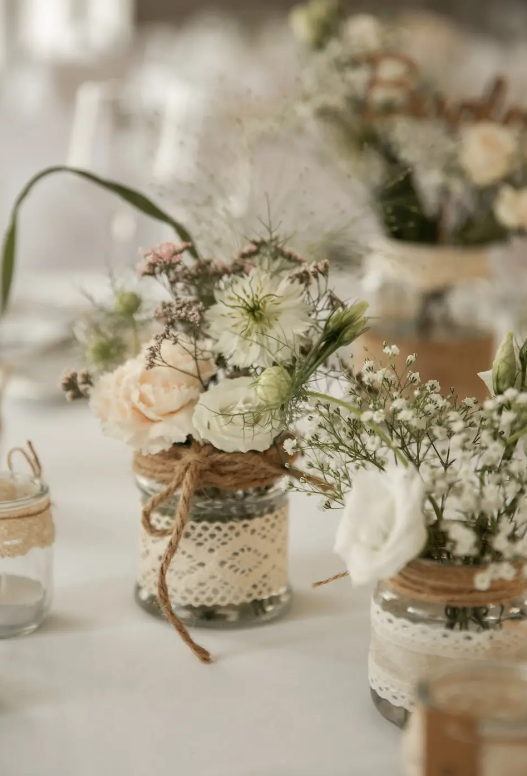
[
  {"x": 27, "y": 534},
  {"x": 471, "y": 720}
]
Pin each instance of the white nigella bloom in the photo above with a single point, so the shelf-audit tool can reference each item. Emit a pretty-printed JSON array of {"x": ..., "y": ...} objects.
[{"x": 259, "y": 320}]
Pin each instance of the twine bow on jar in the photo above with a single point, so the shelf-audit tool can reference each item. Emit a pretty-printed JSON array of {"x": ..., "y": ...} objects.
[
  {"x": 187, "y": 469},
  {"x": 23, "y": 526}
]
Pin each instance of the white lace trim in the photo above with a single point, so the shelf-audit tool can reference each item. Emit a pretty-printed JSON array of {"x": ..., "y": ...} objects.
[
  {"x": 402, "y": 652},
  {"x": 220, "y": 563}
]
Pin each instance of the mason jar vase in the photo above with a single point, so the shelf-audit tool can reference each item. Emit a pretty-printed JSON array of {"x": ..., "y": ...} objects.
[
  {"x": 231, "y": 567},
  {"x": 411, "y": 637},
  {"x": 438, "y": 302},
  {"x": 26, "y": 554}
]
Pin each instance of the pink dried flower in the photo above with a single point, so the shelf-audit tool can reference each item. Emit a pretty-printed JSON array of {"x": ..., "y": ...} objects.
[{"x": 161, "y": 258}]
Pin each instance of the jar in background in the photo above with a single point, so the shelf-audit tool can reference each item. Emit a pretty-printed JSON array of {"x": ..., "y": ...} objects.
[
  {"x": 27, "y": 534},
  {"x": 436, "y": 301},
  {"x": 231, "y": 567},
  {"x": 471, "y": 720}
]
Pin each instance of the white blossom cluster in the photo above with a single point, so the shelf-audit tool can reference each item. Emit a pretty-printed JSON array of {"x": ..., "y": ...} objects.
[{"x": 469, "y": 458}]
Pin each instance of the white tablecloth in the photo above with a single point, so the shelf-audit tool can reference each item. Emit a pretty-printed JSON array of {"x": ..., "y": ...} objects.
[{"x": 104, "y": 689}]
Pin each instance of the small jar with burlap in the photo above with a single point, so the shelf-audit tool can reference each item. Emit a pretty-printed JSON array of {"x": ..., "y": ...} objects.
[
  {"x": 470, "y": 720},
  {"x": 436, "y": 301},
  {"x": 214, "y": 538},
  {"x": 27, "y": 534},
  {"x": 429, "y": 616}
]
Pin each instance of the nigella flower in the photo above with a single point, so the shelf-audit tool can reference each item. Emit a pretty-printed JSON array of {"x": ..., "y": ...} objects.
[{"x": 259, "y": 320}]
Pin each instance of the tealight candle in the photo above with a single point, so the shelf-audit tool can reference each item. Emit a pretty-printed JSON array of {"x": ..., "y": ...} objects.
[{"x": 21, "y": 602}]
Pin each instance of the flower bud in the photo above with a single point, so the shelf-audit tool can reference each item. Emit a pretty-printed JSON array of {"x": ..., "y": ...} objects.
[
  {"x": 274, "y": 386},
  {"x": 103, "y": 350},
  {"x": 505, "y": 368},
  {"x": 127, "y": 303},
  {"x": 344, "y": 326},
  {"x": 314, "y": 22}
]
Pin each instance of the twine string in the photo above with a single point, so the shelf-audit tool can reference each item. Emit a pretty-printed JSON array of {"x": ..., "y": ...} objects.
[
  {"x": 440, "y": 583},
  {"x": 31, "y": 458}
]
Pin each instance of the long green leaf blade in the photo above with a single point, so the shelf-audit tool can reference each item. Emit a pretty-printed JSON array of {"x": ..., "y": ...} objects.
[{"x": 131, "y": 196}]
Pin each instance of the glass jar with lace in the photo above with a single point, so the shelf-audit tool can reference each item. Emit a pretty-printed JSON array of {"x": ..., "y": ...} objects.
[
  {"x": 27, "y": 533},
  {"x": 437, "y": 301},
  {"x": 231, "y": 567},
  {"x": 413, "y": 631}
]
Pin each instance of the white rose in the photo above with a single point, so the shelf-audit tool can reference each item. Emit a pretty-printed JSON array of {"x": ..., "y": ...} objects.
[
  {"x": 486, "y": 152},
  {"x": 510, "y": 207},
  {"x": 227, "y": 416},
  {"x": 363, "y": 34},
  {"x": 151, "y": 409},
  {"x": 383, "y": 526}
]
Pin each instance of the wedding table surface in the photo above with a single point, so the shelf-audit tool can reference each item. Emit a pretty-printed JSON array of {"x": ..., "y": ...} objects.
[{"x": 104, "y": 688}]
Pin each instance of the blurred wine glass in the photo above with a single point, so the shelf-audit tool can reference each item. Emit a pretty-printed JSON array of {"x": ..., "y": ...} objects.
[{"x": 75, "y": 31}]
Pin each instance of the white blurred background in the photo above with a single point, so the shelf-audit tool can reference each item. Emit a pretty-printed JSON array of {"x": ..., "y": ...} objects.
[{"x": 189, "y": 101}]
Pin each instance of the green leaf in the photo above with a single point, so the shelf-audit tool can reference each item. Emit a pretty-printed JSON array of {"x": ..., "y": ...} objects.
[{"x": 134, "y": 198}]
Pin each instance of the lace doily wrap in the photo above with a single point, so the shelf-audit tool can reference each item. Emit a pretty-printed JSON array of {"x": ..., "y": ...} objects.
[
  {"x": 403, "y": 652},
  {"x": 220, "y": 563},
  {"x": 23, "y": 529},
  {"x": 187, "y": 469}
]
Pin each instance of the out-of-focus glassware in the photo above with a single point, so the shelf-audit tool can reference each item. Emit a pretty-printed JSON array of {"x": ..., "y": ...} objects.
[
  {"x": 471, "y": 719},
  {"x": 77, "y": 31},
  {"x": 437, "y": 301},
  {"x": 26, "y": 539}
]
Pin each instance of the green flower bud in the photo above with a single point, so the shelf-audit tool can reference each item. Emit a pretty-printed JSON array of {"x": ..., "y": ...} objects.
[
  {"x": 344, "y": 326},
  {"x": 505, "y": 368},
  {"x": 274, "y": 386},
  {"x": 127, "y": 303},
  {"x": 315, "y": 22},
  {"x": 103, "y": 351}
]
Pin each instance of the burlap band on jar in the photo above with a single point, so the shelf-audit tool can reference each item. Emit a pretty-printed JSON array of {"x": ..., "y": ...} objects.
[
  {"x": 454, "y": 585},
  {"x": 24, "y": 527}
]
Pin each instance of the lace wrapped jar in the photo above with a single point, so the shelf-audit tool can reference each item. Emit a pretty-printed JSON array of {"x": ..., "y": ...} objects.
[
  {"x": 471, "y": 720},
  {"x": 214, "y": 537},
  {"x": 430, "y": 615},
  {"x": 438, "y": 302},
  {"x": 27, "y": 534},
  {"x": 231, "y": 565}
]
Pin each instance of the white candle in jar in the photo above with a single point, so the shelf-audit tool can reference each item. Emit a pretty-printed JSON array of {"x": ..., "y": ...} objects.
[{"x": 21, "y": 601}]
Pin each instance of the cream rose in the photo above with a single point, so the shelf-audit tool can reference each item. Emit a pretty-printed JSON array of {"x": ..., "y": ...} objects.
[
  {"x": 363, "y": 34},
  {"x": 486, "y": 152},
  {"x": 228, "y": 417},
  {"x": 151, "y": 409},
  {"x": 511, "y": 207},
  {"x": 383, "y": 526}
]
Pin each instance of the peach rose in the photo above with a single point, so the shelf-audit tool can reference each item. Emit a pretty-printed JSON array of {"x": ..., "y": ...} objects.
[{"x": 151, "y": 409}]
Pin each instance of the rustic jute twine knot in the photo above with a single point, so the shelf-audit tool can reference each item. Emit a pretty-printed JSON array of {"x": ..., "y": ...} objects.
[
  {"x": 439, "y": 583},
  {"x": 190, "y": 468},
  {"x": 24, "y": 527}
]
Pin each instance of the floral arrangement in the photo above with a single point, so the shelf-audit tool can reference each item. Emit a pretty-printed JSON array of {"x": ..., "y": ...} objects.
[
  {"x": 233, "y": 339},
  {"x": 439, "y": 173},
  {"x": 420, "y": 474}
]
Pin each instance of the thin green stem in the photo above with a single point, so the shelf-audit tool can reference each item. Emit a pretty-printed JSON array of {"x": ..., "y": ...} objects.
[
  {"x": 380, "y": 433},
  {"x": 518, "y": 435}
]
